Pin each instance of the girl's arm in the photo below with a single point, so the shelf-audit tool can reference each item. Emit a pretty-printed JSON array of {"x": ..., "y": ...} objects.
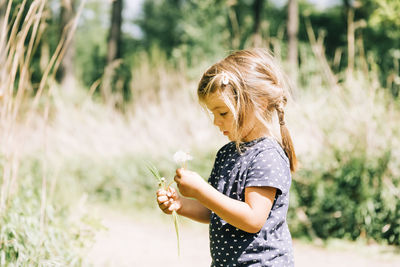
[
  {"x": 194, "y": 210},
  {"x": 249, "y": 216}
]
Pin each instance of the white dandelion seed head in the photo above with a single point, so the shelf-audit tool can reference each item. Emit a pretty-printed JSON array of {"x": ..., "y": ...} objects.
[{"x": 181, "y": 157}]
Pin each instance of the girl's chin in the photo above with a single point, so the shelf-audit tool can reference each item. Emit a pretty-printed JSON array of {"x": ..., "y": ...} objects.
[
  {"x": 226, "y": 133},
  {"x": 229, "y": 135},
  {"x": 230, "y": 138}
]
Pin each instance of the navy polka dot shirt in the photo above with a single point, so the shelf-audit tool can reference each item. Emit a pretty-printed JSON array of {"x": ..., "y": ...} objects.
[{"x": 262, "y": 162}]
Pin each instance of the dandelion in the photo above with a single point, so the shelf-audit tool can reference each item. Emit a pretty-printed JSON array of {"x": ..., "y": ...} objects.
[
  {"x": 162, "y": 183},
  {"x": 181, "y": 157}
]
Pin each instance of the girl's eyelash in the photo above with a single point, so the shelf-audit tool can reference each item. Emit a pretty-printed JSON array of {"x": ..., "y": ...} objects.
[{"x": 223, "y": 114}]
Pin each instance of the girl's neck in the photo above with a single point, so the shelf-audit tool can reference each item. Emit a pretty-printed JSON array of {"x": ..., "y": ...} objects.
[{"x": 256, "y": 132}]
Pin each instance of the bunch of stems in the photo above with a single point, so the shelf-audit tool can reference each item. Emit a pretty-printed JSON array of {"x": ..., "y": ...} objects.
[{"x": 162, "y": 184}]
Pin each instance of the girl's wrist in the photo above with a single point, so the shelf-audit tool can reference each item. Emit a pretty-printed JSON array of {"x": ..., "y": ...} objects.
[{"x": 180, "y": 210}]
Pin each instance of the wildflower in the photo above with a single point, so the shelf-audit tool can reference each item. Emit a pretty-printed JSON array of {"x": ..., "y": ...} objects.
[
  {"x": 181, "y": 157},
  {"x": 162, "y": 184}
]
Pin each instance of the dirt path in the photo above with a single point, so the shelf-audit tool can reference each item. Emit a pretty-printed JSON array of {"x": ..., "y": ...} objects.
[{"x": 148, "y": 240}]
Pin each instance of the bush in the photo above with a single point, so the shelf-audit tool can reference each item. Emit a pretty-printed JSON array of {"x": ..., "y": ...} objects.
[
  {"x": 38, "y": 234},
  {"x": 348, "y": 184},
  {"x": 349, "y": 201}
]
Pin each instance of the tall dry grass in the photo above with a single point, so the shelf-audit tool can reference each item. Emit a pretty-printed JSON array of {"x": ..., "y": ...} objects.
[
  {"x": 34, "y": 229},
  {"x": 18, "y": 42},
  {"x": 15, "y": 57}
]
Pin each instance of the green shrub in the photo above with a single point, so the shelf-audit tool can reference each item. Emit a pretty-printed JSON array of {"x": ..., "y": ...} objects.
[
  {"x": 348, "y": 183},
  {"x": 30, "y": 236},
  {"x": 348, "y": 201},
  {"x": 39, "y": 228}
]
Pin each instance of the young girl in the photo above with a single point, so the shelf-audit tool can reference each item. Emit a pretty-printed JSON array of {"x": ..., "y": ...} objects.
[{"x": 246, "y": 198}]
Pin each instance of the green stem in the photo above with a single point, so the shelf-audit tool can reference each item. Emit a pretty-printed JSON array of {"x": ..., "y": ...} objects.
[{"x": 175, "y": 216}]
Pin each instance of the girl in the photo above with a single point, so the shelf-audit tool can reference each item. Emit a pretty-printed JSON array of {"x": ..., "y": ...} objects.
[{"x": 246, "y": 198}]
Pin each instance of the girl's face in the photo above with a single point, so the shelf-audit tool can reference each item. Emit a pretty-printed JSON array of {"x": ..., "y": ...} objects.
[
  {"x": 223, "y": 117},
  {"x": 225, "y": 121}
]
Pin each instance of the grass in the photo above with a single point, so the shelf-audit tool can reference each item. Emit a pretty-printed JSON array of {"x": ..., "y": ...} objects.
[{"x": 35, "y": 230}]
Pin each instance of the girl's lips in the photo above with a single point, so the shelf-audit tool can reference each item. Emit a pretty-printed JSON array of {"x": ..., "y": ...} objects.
[{"x": 225, "y": 132}]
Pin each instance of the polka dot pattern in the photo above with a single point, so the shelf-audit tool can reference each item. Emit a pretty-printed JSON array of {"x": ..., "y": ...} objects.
[{"x": 261, "y": 163}]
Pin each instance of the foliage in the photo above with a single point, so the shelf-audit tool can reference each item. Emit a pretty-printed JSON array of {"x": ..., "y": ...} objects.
[
  {"x": 34, "y": 230},
  {"x": 91, "y": 43},
  {"x": 352, "y": 200},
  {"x": 385, "y": 15},
  {"x": 182, "y": 28},
  {"x": 348, "y": 184},
  {"x": 375, "y": 29},
  {"x": 196, "y": 31},
  {"x": 40, "y": 233}
]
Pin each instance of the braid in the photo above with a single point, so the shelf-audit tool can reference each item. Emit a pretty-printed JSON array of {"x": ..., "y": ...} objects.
[{"x": 287, "y": 143}]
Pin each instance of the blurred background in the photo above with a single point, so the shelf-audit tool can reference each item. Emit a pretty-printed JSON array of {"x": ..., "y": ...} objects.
[{"x": 91, "y": 91}]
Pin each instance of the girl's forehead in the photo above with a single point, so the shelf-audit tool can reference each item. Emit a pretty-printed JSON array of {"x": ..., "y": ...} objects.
[{"x": 214, "y": 101}]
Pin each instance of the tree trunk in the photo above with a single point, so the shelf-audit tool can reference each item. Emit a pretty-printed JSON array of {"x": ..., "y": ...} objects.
[
  {"x": 257, "y": 9},
  {"x": 3, "y": 6},
  {"x": 235, "y": 27},
  {"x": 113, "y": 53},
  {"x": 350, "y": 42},
  {"x": 114, "y": 37},
  {"x": 293, "y": 28},
  {"x": 66, "y": 74}
]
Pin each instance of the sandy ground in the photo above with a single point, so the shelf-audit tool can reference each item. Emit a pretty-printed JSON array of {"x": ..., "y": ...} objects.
[{"x": 147, "y": 240}]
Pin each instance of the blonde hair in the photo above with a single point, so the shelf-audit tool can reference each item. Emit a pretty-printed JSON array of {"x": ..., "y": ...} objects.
[{"x": 250, "y": 80}]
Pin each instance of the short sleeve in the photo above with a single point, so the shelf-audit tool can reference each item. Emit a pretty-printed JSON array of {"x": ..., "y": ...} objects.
[
  {"x": 269, "y": 168},
  {"x": 211, "y": 178}
]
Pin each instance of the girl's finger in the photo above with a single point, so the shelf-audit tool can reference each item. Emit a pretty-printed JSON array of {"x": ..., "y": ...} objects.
[
  {"x": 163, "y": 207},
  {"x": 171, "y": 191},
  {"x": 162, "y": 199},
  {"x": 172, "y": 207},
  {"x": 174, "y": 194},
  {"x": 161, "y": 192},
  {"x": 177, "y": 179}
]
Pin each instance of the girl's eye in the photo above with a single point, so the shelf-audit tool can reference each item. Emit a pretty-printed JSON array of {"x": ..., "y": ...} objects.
[{"x": 223, "y": 113}]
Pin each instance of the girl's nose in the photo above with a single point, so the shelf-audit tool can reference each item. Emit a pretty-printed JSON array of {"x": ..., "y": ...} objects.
[{"x": 217, "y": 122}]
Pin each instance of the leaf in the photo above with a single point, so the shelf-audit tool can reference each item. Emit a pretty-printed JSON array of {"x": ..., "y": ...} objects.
[{"x": 154, "y": 171}]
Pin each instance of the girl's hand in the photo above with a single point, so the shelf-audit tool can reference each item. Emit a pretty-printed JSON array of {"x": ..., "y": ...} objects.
[
  {"x": 168, "y": 200},
  {"x": 188, "y": 182}
]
